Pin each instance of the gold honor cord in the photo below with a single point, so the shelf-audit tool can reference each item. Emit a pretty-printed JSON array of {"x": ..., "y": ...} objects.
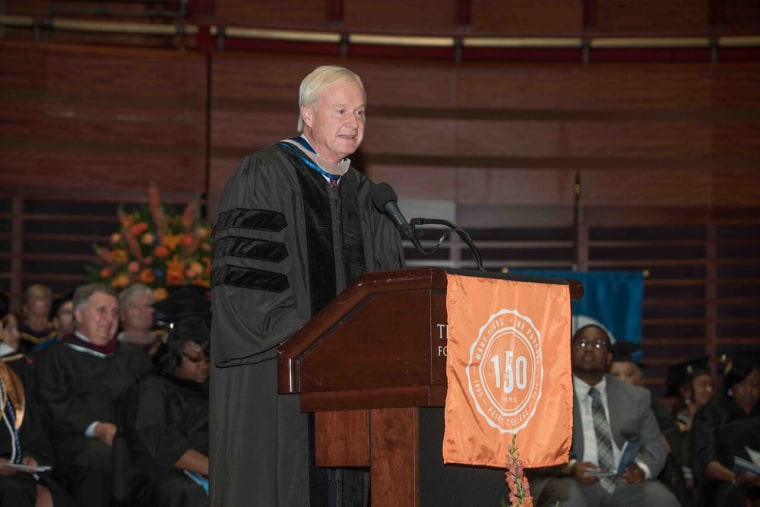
[{"x": 14, "y": 390}]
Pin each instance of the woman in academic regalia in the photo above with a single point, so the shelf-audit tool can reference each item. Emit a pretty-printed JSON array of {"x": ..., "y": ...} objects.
[
  {"x": 724, "y": 429},
  {"x": 23, "y": 443},
  {"x": 167, "y": 421}
]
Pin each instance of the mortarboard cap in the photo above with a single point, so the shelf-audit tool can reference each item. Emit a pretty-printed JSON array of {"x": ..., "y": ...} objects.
[
  {"x": 680, "y": 374},
  {"x": 623, "y": 351},
  {"x": 60, "y": 301},
  {"x": 195, "y": 328},
  {"x": 740, "y": 366},
  {"x": 183, "y": 302}
]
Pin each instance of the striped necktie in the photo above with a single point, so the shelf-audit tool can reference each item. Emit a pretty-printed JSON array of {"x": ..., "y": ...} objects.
[{"x": 603, "y": 440}]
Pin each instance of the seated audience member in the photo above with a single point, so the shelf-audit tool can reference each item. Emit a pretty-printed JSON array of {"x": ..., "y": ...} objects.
[
  {"x": 10, "y": 341},
  {"x": 62, "y": 315},
  {"x": 692, "y": 384},
  {"x": 36, "y": 328},
  {"x": 726, "y": 427},
  {"x": 62, "y": 319},
  {"x": 626, "y": 369},
  {"x": 82, "y": 381},
  {"x": 607, "y": 413},
  {"x": 167, "y": 420},
  {"x": 24, "y": 442},
  {"x": 136, "y": 312}
]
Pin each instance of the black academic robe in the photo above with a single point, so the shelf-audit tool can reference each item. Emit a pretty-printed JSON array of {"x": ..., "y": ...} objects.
[
  {"x": 285, "y": 244},
  {"x": 721, "y": 430},
  {"x": 165, "y": 417},
  {"x": 31, "y": 339},
  {"x": 77, "y": 386},
  {"x": 19, "y": 489}
]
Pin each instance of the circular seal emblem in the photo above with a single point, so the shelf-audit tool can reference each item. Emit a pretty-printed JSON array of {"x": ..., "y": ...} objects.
[{"x": 504, "y": 372}]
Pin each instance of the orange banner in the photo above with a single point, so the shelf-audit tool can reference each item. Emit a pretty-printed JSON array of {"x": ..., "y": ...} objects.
[{"x": 508, "y": 370}]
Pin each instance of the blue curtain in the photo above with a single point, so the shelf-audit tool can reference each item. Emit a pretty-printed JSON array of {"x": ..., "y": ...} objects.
[{"x": 613, "y": 298}]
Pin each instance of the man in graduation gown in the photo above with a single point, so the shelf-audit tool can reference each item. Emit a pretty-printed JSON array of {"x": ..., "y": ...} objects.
[
  {"x": 82, "y": 381},
  {"x": 295, "y": 226}
]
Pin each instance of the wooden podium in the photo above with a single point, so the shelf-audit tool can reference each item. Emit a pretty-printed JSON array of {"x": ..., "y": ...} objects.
[{"x": 366, "y": 365}]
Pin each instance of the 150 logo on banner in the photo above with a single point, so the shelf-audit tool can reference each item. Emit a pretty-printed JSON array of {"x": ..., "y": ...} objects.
[{"x": 504, "y": 371}]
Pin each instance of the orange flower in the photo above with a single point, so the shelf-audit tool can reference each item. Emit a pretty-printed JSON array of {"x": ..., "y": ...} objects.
[
  {"x": 191, "y": 211},
  {"x": 170, "y": 241},
  {"x": 147, "y": 276},
  {"x": 186, "y": 240},
  {"x": 120, "y": 256},
  {"x": 161, "y": 251},
  {"x": 175, "y": 271},
  {"x": 203, "y": 232},
  {"x": 105, "y": 254},
  {"x": 138, "y": 228},
  {"x": 125, "y": 219},
  {"x": 159, "y": 294},
  {"x": 106, "y": 272},
  {"x": 148, "y": 239},
  {"x": 120, "y": 281}
]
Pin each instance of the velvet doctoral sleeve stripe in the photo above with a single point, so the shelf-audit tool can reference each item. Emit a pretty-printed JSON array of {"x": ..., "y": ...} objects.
[
  {"x": 248, "y": 248},
  {"x": 253, "y": 219},
  {"x": 259, "y": 287},
  {"x": 249, "y": 278}
]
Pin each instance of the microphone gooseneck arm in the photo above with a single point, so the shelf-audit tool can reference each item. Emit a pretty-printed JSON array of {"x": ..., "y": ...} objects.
[{"x": 450, "y": 227}]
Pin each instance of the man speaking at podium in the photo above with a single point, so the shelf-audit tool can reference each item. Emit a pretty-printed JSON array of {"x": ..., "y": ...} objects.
[{"x": 296, "y": 225}]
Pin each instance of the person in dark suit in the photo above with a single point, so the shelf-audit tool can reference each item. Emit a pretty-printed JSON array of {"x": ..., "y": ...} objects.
[{"x": 607, "y": 414}]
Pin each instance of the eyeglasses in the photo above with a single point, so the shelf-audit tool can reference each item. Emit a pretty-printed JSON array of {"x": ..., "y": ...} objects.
[
  {"x": 585, "y": 343},
  {"x": 203, "y": 358}
]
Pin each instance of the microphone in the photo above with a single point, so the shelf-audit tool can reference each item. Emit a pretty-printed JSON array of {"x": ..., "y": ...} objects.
[{"x": 385, "y": 199}]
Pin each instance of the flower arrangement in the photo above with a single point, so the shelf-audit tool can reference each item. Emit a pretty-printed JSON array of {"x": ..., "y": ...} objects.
[
  {"x": 519, "y": 488},
  {"x": 155, "y": 246}
]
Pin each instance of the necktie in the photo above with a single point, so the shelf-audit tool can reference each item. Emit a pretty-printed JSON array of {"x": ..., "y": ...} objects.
[{"x": 603, "y": 440}]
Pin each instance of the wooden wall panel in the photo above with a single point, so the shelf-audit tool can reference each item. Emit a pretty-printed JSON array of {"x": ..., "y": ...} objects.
[
  {"x": 640, "y": 17},
  {"x": 527, "y": 17},
  {"x": 394, "y": 16},
  {"x": 738, "y": 17},
  {"x": 115, "y": 118},
  {"x": 515, "y": 187},
  {"x": 418, "y": 182},
  {"x": 26, "y": 7},
  {"x": 734, "y": 87},
  {"x": 308, "y": 14},
  {"x": 738, "y": 187},
  {"x": 646, "y": 188},
  {"x": 614, "y": 87}
]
